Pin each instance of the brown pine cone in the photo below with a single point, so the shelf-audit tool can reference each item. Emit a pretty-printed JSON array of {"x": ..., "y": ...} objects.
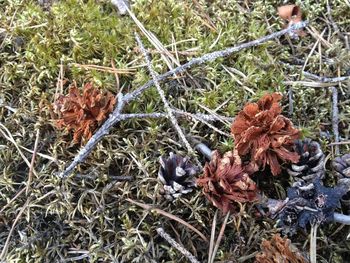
[
  {"x": 225, "y": 181},
  {"x": 311, "y": 164},
  {"x": 176, "y": 173},
  {"x": 279, "y": 249},
  {"x": 263, "y": 134},
  {"x": 83, "y": 113}
]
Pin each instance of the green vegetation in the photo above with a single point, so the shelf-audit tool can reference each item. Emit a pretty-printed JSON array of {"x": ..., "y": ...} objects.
[{"x": 86, "y": 217}]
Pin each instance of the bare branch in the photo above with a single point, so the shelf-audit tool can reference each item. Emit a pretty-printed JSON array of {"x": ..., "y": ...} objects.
[
  {"x": 335, "y": 118},
  {"x": 213, "y": 56}
]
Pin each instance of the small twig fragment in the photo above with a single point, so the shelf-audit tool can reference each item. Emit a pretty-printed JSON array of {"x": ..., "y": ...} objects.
[{"x": 176, "y": 245}]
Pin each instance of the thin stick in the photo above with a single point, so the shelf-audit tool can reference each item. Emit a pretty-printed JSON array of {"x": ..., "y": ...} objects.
[
  {"x": 177, "y": 246},
  {"x": 171, "y": 216},
  {"x": 162, "y": 96},
  {"x": 30, "y": 174},
  {"x": 339, "y": 143},
  {"x": 115, "y": 116},
  {"x": 326, "y": 79},
  {"x": 105, "y": 69},
  {"x": 335, "y": 118},
  {"x": 179, "y": 113}
]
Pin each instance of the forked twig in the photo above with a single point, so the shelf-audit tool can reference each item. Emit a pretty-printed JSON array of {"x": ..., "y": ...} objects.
[
  {"x": 162, "y": 96},
  {"x": 122, "y": 100}
]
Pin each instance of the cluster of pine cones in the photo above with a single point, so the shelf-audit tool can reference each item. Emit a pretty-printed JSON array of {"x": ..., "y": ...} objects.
[{"x": 268, "y": 143}]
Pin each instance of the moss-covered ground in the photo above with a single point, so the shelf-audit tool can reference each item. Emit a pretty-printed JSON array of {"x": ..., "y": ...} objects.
[{"x": 86, "y": 217}]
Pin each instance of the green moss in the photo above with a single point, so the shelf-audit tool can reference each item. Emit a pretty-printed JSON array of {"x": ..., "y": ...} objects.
[{"x": 89, "y": 211}]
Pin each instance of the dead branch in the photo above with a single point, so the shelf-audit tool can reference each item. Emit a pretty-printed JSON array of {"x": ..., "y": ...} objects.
[
  {"x": 335, "y": 118},
  {"x": 162, "y": 96}
]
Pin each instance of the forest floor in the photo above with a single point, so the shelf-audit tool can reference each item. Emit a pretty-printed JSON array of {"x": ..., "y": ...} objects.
[{"x": 91, "y": 215}]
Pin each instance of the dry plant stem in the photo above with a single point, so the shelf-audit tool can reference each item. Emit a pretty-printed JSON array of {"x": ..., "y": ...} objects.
[
  {"x": 171, "y": 216},
  {"x": 212, "y": 236},
  {"x": 4, "y": 250},
  {"x": 8, "y": 136},
  {"x": 339, "y": 143},
  {"x": 195, "y": 116},
  {"x": 326, "y": 79},
  {"x": 162, "y": 95},
  {"x": 115, "y": 116},
  {"x": 335, "y": 118},
  {"x": 30, "y": 174},
  {"x": 313, "y": 239},
  {"x": 176, "y": 245},
  {"x": 221, "y": 234}
]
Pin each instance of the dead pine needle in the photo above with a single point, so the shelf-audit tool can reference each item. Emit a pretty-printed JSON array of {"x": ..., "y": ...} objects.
[
  {"x": 171, "y": 216},
  {"x": 218, "y": 241},
  {"x": 30, "y": 174}
]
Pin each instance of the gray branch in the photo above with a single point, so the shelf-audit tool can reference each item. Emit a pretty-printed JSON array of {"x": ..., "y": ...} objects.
[
  {"x": 176, "y": 245},
  {"x": 335, "y": 118},
  {"x": 162, "y": 96},
  {"x": 213, "y": 56}
]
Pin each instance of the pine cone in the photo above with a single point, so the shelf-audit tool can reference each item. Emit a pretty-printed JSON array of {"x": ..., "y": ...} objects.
[
  {"x": 225, "y": 181},
  {"x": 176, "y": 173},
  {"x": 311, "y": 163},
  {"x": 341, "y": 166},
  {"x": 83, "y": 113},
  {"x": 308, "y": 204},
  {"x": 280, "y": 250},
  {"x": 264, "y": 135}
]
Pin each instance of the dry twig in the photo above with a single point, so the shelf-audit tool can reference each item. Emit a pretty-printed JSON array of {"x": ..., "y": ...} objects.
[
  {"x": 162, "y": 96},
  {"x": 335, "y": 118},
  {"x": 176, "y": 245}
]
